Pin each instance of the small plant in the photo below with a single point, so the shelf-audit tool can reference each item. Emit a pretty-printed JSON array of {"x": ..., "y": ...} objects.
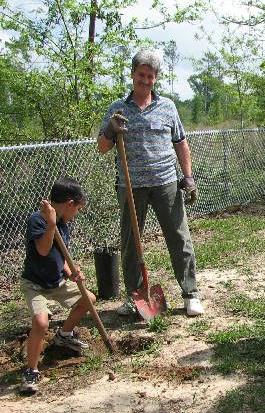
[
  {"x": 228, "y": 284},
  {"x": 11, "y": 377},
  {"x": 158, "y": 324},
  {"x": 137, "y": 362},
  {"x": 53, "y": 376},
  {"x": 92, "y": 363},
  {"x": 198, "y": 327},
  {"x": 94, "y": 332}
]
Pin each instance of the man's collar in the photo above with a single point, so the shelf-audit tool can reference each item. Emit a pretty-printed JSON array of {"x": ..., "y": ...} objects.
[{"x": 130, "y": 96}]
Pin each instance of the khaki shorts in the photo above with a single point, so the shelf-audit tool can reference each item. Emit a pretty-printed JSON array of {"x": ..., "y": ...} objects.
[{"x": 37, "y": 298}]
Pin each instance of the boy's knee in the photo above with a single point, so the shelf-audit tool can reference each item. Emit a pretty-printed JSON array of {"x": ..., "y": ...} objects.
[
  {"x": 92, "y": 297},
  {"x": 40, "y": 323},
  {"x": 84, "y": 302}
]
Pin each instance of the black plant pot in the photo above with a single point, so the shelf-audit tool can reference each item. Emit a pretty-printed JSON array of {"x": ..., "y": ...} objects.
[{"x": 107, "y": 272}]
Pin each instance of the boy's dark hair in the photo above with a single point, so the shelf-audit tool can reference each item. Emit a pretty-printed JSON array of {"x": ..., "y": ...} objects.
[{"x": 65, "y": 189}]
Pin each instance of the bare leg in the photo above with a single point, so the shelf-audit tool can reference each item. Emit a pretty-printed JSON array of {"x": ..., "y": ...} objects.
[
  {"x": 77, "y": 313},
  {"x": 40, "y": 325}
]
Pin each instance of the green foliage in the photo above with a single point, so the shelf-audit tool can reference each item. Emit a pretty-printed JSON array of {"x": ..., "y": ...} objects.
[
  {"x": 91, "y": 363},
  {"x": 58, "y": 80},
  {"x": 158, "y": 324}
]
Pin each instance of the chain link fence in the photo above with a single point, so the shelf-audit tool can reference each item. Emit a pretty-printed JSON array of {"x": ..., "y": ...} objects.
[{"x": 228, "y": 166}]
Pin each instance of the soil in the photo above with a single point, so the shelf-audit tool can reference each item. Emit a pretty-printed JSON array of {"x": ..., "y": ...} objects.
[{"x": 167, "y": 372}]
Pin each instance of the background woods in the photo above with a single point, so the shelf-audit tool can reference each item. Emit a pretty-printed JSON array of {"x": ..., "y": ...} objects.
[{"x": 62, "y": 62}]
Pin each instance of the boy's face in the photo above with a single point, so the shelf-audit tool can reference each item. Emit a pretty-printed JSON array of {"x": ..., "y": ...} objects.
[{"x": 71, "y": 209}]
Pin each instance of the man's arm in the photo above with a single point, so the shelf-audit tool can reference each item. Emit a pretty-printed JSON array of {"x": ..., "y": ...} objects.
[
  {"x": 187, "y": 183},
  {"x": 184, "y": 157},
  {"x": 104, "y": 144},
  {"x": 115, "y": 125}
]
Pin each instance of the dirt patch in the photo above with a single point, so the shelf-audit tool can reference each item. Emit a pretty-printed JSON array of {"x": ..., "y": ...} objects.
[
  {"x": 132, "y": 344},
  {"x": 172, "y": 373}
]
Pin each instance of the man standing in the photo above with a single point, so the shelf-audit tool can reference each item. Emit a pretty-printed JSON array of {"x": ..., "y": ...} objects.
[{"x": 153, "y": 137}]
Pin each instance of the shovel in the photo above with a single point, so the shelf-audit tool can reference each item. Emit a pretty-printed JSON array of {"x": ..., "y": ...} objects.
[
  {"x": 83, "y": 291},
  {"x": 149, "y": 303}
]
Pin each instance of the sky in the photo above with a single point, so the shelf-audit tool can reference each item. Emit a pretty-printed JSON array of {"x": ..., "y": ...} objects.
[{"x": 183, "y": 34}]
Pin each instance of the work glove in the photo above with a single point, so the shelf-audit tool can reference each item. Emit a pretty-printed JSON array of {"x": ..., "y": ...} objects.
[
  {"x": 115, "y": 125},
  {"x": 188, "y": 185}
]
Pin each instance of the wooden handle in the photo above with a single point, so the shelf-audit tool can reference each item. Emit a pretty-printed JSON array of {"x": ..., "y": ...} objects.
[
  {"x": 83, "y": 291},
  {"x": 133, "y": 215}
]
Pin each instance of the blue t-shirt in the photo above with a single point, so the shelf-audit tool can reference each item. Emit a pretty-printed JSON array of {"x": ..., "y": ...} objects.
[
  {"x": 47, "y": 271},
  {"x": 149, "y": 140}
]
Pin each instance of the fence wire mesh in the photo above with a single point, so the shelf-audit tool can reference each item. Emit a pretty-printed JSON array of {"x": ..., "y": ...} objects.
[{"x": 228, "y": 166}]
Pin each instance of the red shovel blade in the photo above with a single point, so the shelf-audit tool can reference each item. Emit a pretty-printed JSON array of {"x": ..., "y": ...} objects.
[{"x": 150, "y": 307}]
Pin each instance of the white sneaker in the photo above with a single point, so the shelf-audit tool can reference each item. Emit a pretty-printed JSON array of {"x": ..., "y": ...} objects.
[
  {"x": 128, "y": 308},
  {"x": 193, "y": 306}
]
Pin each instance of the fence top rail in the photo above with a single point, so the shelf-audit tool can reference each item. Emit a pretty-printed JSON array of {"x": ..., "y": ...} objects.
[
  {"x": 222, "y": 131},
  {"x": 29, "y": 146}
]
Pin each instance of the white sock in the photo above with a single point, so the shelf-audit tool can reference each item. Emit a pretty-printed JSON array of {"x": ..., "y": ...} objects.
[{"x": 66, "y": 333}]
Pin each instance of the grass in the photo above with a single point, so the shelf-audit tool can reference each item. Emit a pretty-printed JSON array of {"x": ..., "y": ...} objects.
[
  {"x": 241, "y": 347},
  {"x": 253, "y": 308},
  {"x": 239, "y": 400},
  {"x": 198, "y": 327},
  {"x": 232, "y": 239},
  {"x": 92, "y": 363},
  {"x": 11, "y": 319}
]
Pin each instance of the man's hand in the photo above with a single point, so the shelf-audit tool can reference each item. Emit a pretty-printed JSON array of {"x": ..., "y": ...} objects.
[
  {"x": 77, "y": 275},
  {"x": 188, "y": 185},
  {"x": 116, "y": 125},
  {"x": 48, "y": 213}
]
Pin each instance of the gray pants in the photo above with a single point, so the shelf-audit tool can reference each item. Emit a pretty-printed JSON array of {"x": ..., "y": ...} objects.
[{"x": 168, "y": 205}]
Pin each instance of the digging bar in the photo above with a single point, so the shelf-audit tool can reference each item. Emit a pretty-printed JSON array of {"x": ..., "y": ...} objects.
[{"x": 83, "y": 291}]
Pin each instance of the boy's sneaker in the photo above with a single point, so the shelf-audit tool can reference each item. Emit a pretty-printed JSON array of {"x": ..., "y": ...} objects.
[
  {"x": 72, "y": 342},
  {"x": 193, "y": 306},
  {"x": 29, "y": 382},
  {"x": 128, "y": 308}
]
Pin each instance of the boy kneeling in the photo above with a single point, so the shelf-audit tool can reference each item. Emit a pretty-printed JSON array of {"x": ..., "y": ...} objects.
[{"x": 45, "y": 273}]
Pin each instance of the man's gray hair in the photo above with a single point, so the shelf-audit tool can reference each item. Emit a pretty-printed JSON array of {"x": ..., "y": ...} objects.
[{"x": 147, "y": 57}]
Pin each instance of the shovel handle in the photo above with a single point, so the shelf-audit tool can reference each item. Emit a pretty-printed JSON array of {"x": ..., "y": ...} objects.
[
  {"x": 133, "y": 215},
  {"x": 83, "y": 291}
]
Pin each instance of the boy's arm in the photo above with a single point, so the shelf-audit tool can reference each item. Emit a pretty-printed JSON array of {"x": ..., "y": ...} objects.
[
  {"x": 75, "y": 276},
  {"x": 44, "y": 243}
]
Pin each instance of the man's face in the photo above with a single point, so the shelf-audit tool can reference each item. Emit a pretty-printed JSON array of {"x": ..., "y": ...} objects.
[{"x": 144, "y": 78}]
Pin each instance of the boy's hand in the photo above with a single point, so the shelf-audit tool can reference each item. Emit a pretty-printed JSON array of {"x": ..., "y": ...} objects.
[
  {"x": 78, "y": 275},
  {"x": 48, "y": 212}
]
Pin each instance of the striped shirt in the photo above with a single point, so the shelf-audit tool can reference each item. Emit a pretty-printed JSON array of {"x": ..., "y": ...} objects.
[{"x": 148, "y": 141}]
